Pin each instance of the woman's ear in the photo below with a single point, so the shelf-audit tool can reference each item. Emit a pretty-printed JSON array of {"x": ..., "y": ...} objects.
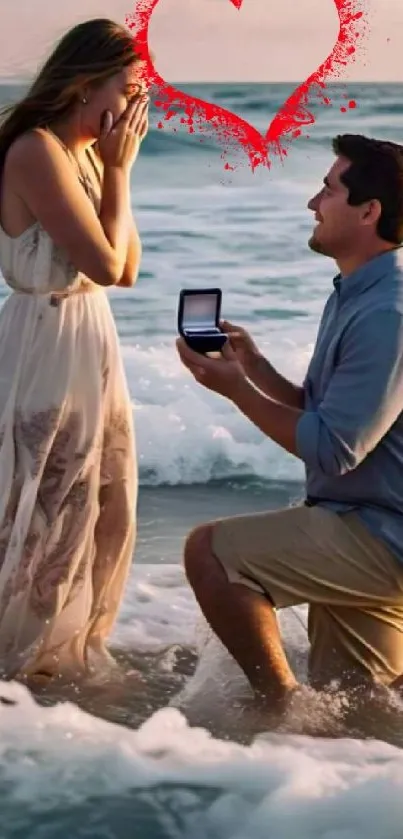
[{"x": 84, "y": 96}]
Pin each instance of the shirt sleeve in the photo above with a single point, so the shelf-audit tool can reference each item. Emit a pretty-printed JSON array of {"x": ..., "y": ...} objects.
[{"x": 363, "y": 399}]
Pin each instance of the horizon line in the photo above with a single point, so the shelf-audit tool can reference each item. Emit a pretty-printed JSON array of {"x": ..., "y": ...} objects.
[{"x": 25, "y": 79}]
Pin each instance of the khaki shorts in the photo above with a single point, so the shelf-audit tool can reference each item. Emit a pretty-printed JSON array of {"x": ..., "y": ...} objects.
[{"x": 351, "y": 581}]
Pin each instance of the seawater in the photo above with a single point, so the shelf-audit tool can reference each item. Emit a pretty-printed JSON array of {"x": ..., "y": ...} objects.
[{"x": 118, "y": 767}]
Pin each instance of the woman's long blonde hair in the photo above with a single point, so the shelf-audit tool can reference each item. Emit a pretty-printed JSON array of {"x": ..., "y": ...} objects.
[{"x": 88, "y": 54}]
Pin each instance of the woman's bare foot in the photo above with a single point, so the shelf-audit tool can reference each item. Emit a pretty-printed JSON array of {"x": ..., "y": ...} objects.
[{"x": 397, "y": 685}]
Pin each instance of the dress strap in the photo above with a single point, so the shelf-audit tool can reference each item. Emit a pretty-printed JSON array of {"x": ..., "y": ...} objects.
[
  {"x": 91, "y": 158},
  {"x": 83, "y": 177}
]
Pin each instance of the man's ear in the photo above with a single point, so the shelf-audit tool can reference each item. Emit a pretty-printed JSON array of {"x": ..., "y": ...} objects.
[{"x": 372, "y": 211}]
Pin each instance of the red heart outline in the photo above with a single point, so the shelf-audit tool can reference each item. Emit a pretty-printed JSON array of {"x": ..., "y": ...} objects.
[{"x": 229, "y": 127}]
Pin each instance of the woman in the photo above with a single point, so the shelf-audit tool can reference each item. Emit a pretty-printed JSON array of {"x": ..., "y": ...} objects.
[{"x": 67, "y": 456}]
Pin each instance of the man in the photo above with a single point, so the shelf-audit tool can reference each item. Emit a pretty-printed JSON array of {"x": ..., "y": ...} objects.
[{"x": 342, "y": 550}]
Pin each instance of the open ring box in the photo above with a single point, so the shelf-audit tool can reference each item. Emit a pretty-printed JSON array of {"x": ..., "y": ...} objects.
[{"x": 199, "y": 320}]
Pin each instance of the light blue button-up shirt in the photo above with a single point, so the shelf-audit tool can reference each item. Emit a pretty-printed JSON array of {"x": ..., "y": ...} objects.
[{"x": 350, "y": 435}]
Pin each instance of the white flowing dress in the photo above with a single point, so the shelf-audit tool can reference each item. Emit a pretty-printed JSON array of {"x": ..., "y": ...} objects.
[{"x": 68, "y": 480}]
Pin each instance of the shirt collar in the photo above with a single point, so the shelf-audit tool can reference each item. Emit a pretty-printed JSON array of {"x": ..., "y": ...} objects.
[{"x": 369, "y": 274}]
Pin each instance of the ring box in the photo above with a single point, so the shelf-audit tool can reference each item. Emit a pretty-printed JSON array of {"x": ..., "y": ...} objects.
[{"x": 199, "y": 313}]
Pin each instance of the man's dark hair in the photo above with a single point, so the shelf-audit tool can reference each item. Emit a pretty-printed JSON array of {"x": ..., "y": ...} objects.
[{"x": 376, "y": 172}]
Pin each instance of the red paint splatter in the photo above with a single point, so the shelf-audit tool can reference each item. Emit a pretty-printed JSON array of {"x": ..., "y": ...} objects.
[{"x": 231, "y": 129}]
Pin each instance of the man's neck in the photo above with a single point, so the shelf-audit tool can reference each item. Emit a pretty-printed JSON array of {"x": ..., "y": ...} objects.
[{"x": 352, "y": 263}]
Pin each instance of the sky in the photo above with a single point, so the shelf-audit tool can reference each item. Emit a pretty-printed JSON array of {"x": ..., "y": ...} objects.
[{"x": 210, "y": 40}]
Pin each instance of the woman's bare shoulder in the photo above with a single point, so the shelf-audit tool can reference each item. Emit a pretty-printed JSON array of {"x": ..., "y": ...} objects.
[{"x": 33, "y": 148}]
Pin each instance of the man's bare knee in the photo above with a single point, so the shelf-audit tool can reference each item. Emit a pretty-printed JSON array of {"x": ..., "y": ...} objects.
[{"x": 198, "y": 552}]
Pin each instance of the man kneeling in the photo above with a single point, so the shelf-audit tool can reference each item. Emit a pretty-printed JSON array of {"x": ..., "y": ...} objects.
[{"x": 342, "y": 550}]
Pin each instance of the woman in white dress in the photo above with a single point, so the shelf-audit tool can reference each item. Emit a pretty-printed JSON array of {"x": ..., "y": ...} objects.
[{"x": 68, "y": 483}]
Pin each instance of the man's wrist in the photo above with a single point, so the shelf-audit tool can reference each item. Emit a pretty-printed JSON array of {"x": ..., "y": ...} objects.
[
  {"x": 253, "y": 361},
  {"x": 241, "y": 392},
  {"x": 258, "y": 369}
]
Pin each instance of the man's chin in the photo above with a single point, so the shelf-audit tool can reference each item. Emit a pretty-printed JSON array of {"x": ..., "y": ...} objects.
[{"x": 316, "y": 246}]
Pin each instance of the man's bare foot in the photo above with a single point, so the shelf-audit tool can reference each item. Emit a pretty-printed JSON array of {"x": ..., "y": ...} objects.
[
  {"x": 277, "y": 703},
  {"x": 317, "y": 713}
]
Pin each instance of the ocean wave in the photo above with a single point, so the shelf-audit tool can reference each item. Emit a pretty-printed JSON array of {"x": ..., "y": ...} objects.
[
  {"x": 374, "y": 113},
  {"x": 64, "y": 773},
  {"x": 167, "y": 142},
  {"x": 258, "y": 103},
  {"x": 189, "y": 435}
]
